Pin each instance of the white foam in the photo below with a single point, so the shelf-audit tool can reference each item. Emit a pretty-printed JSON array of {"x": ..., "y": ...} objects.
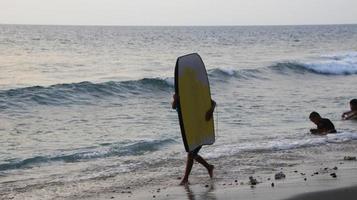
[
  {"x": 334, "y": 64},
  {"x": 170, "y": 81},
  {"x": 228, "y": 70},
  {"x": 281, "y": 144}
]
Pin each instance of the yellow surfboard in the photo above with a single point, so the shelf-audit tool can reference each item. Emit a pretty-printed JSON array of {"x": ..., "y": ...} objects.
[{"x": 193, "y": 90}]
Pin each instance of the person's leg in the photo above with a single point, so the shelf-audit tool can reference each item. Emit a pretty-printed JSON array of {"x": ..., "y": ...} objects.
[
  {"x": 202, "y": 161},
  {"x": 189, "y": 164}
]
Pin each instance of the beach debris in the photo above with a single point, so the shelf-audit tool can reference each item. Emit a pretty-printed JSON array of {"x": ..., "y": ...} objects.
[
  {"x": 316, "y": 173},
  {"x": 272, "y": 184},
  {"x": 236, "y": 180},
  {"x": 302, "y": 174},
  {"x": 349, "y": 158},
  {"x": 252, "y": 180},
  {"x": 335, "y": 168},
  {"x": 333, "y": 175},
  {"x": 268, "y": 179},
  {"x": 326, "y": 168},
  {"x": 206, "y": 186},
  {"x": 153, "y": 196},
  {"x": 279, "y": 175},
  {"x": 112, "y": 197},
  {"x": 296, "y": 171},
  {"x": 305, "y": 179}
]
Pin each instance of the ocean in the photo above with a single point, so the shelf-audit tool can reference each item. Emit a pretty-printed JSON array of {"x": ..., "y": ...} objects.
[{"x": 86, "y": 109}]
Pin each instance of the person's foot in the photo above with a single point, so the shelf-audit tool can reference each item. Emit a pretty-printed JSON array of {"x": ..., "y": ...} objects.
[
  {"x": 210, "y": 171},
  {"x": 184, "y": 182}
]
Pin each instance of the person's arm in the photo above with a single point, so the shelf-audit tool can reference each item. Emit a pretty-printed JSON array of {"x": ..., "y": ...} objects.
[
  {"x": 209, "y": 113},
  {"x": 350, "y": 115}
]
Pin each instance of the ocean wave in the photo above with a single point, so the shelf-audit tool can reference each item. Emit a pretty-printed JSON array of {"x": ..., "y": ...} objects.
[
  {"x": 334, "y": 64},
  {"x": 83, "y": 92},
  {"x": 281, "y": 144},
  {"x": 234, "y": 73},
  {"x": 102, "y": 151}
]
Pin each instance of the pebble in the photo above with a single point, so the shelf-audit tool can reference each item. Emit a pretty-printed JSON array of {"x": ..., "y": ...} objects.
[
  {"x": 335, "y": 168},
  {"x": 272, "y": 184},
  {"x": 279, "y": 175},
  {"x": 302, "y": 174},
  {"x": 305, "y": 179},
  {"x": 252, "y": 180},
  {"x": 296, "y": 171},
  {"x": 236, "y": 181},
  {"x": 349, "y": 158},
  {"x": 333, "y": 175},
  {"x": 206, "y": 186}
]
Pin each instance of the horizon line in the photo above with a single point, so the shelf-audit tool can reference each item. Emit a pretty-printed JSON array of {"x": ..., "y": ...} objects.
[{"x": 194, "y": 25}]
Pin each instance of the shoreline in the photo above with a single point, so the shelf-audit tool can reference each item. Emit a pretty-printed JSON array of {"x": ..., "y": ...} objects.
[{"x": 301, "y": 182}]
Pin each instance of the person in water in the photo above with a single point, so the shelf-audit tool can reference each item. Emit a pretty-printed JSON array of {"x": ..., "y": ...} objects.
[
  {"x": 324, "y": 125},
  {"x": 193, "y": 155},
  {"x": 352, "y": 114}
]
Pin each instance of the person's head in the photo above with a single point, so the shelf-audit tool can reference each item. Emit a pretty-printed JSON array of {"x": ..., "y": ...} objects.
[
  {"x": 353, "y": 104},
  {"x": 315, "y": 117}
]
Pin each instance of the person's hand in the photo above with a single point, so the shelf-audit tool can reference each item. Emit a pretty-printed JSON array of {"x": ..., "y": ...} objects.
[
  {"x": 209, "y": 114},
  {"x": 313, "y": 131},
  {"x": 174, "y": 101},
  {"x": 344, "y": 115}
]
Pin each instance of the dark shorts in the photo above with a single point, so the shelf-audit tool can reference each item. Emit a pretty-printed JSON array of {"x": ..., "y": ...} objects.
[{"x": 194, "y": 153}]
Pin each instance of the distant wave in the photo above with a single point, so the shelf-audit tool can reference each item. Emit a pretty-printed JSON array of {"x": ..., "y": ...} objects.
[
  {"x": 85, "y": 92},
  {"x": 282, "y": 144},
  {"x": 334, "y": 64},
  {"x": 102, "y": 151},
  {"x": 231, "y": 72},
  {"x": 61, "y": 94}
]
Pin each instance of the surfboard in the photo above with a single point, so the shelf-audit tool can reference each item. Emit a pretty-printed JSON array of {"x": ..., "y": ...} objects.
[{"x": 193, "y": 90}]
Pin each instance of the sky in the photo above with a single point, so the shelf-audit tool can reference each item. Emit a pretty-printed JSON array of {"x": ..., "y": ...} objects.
[{"x": 178, "y": 12}]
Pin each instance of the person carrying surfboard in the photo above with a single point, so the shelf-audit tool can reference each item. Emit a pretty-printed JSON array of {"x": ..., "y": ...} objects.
[{"x": 193, "y": 155}]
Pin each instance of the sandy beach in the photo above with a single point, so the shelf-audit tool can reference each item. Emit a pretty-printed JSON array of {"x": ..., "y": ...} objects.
[{"x": 302, "y": 182}]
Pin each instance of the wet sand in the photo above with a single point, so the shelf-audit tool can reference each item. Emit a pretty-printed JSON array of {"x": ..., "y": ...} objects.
[
  {"x": 349, "y": 193},
  {"x": 320, "y": 181}
]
